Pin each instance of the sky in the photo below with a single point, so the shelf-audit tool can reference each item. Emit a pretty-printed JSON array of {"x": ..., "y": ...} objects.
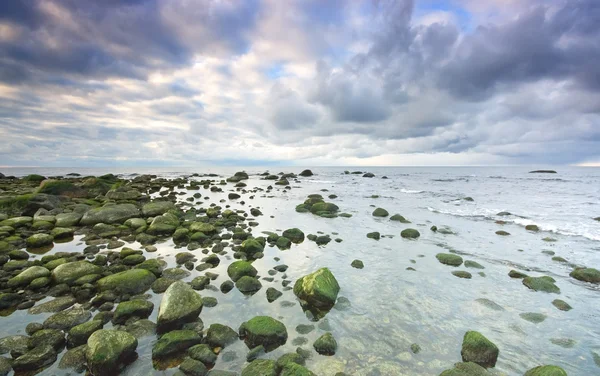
[{"x": 287, "y": 82}]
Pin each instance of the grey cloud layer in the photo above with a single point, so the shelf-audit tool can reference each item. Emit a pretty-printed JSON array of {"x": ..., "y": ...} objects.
[{"x": 340, "y": 82}]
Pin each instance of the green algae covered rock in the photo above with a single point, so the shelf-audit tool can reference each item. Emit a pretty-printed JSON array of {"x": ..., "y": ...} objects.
[
  {"x": 260, "y": 367},
  {"x": 410, "y": 233},
  {"x": 318, "y": 290},
  {"x": 294, "y": 234},
  {"x": 399, "y": 218},
  {"x": 28, "y": 275},
  {"x": 220, "y": 335},
  {"x": 108, "y": 350},
  {"x": 562, "y": 305},
  {"x": 239, "y": 269},
  {"x": 165, "y": 224},
  {"x": 546, "y": 371},
  {"x": 138, "y": 308},
  {"x": 34, "y": 359},
  {"x": 39, "y": 240},
  {"x": 466, "y": 369},
  {"x": 174, "y": 342},
  {"x": 79, "y": 334},
  {"x": 248, "y": 285},
  {"x": 478, "y": 349},
  {"x": 380, "y": 212},
  {"x": 109, "y": 214},
  {"x": 517, "y": 274},
  {"x": 545, "y": 284},
  {"x": 462, "y": 274},
  {"x": 71, "y": 271},
  {"x": 265, "y": 331},
  {"x": 155, "y": 208},
  {"x": 586, "y": 275},
  {"x": 180, "y": 304},
  {"x": 325, "y": 345},
  {"x": 449, "y": 259},
  {"x": 294, "y": 369},
  {"x": 134, "y": 281}
]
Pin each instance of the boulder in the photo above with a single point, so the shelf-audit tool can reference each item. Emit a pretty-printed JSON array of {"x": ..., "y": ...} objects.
[
  {"x": 306, "y": 173},
  {"x": 220, "y": 335},
  {"x": 109, "y": 214},
  {"x": 318, "y": 290},
  {"x": 478, "y": 349},
  {"x": 176, "y": 341},
  {"x": 449, "y": 259},
  {"x": 586, "y": 274},
  {"x": 326, "y": 344},
  {"x": 545, "y": 284},
  {"x": 36, "y": 358},
  {"x": 68, "y": 219},
  {"x": 134, "y": 281},
  {"x": 204, "y": 354},
  {"x": 380, "y": 212},
  {"x": 28, "y": 275},
  {"x": 466, "y": 369},
  {"x": 65, "y": 320},
  {"x": 71, "y": 271},
  {"x": 39, "y": 240},
  {"x": 546, "y": 371},
  {"x": 294, "y": 234},
  {"x": 79, "y": 334},
  {"x": 137, "y": 308},
  {"x": 165, "y": 224},
  {"x": 239, "y": 269},
  {"x": 410, "y": 233},
  {"x": 180, "y": 304},
  {"x": 108, "y": 350},
  {"x": 265, "y": 331}
]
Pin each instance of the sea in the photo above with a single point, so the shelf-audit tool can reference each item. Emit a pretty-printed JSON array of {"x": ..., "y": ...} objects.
[{"x": 387, "y": 307}]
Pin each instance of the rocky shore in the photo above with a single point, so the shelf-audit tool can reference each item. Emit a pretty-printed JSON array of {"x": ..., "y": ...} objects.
[{"x": 98, "y": 297}]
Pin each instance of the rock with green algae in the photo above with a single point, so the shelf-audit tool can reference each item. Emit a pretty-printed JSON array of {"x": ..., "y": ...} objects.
[
  {"x": 265, "y": 331},
  {"x": 449, "y": 259},
  {"x": 260, "y": 367},
  {"x": 65, "y": 320},
  {"x": 110, "y": 214},
  {"x": 134, "y": 281},
  {"x": 293, "y": 369},
  {"x": 252, "y": 246},
  {"x": 410, "y": 233},
  {"x": 239, "y": 269},
  {"x": 203, "y": 353},
  {"x": 358, "y": 264},
  {"x": 380, "y": 212},
  {"x": 283, "y": 243},
  {"x": 399, "y": 218},
  {"x": 289, "y": 358},
  {"x": 180, "y": 304},
  {"x": 165, "y": 224},
  {"x": 586, "y": 275},
  {"x": 34, "y": 359},
  {"x": 74, "y": 359},
  {"x": 544, "y": 283},
  {"x": 325, "y": 345},
  {"x": 39, "y": 240},
  {"x": 28, "y": 275},
  {"x": 136, "y": 308},
  {"x": 478, "y": 349},
  {"x": 273, "y": 294},
  {"x": 466, "y": 369},
  {"x": 219, "y": 335},
  {"x": 502, "y": 233},
  {"x": 547, "y": 370},
  {"x": 473, "y": 264},
  {"x": 374, "y": 235},
  {"x": 79, "y": 334},
  {"x": 295, "y": 235},
  {"x": 517, "y": 274},
  {"x": 533, "y": 317},
  {"x": 561, "y": 305},
  {"x": 248, "y": 285},
  {"x": 71, "y": 271},
  {"x": 318, "y": 290},
  {"x": 462, "y": 274},
  {"x": 108, "y": 350},
  {"x": 192, "y": 367},
  {"x": 156, "y": 208},
  {"x": 175, "y": 341},
  {"x": 62, "y": 233}
]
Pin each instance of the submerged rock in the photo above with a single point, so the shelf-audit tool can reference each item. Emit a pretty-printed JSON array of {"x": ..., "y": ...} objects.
[
  {"x": 533, "y": 317},
  {"x": 260, "y": 367},
  {"x": 562, "y": 305},
  {"x": 478, "y": 349},
  {"x": 108, "y": 350},
  {"x": 466, "y": 369},
  {"x": 546, "y": 371},
  {"x": 586, "y": 274},
  {"x": 545, "y": 284},
  {"x": 134, "y": 281},
  {"x": 326, "y": 344},
  {"x": 220, "y": 335},
  {"x": 36, "y": 358},
  {"x": 180, "y": 304},
  {"x": 265, "y": 331},
  {"x": 318, "y": 290},
  {"x": 399, "y": 218}
]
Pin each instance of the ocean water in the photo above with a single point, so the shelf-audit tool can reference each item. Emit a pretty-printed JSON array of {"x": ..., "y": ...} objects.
[{"x": 391, "y": 307}]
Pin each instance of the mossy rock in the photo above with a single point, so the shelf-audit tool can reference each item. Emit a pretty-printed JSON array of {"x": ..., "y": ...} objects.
[
  {"x": 108, "y": 350},
  {"x": 180, "y": 304},
  {"x": 462, "y": 274},
  {"x": 137, "y": 308},
  {"x": 79, "y": 334},
  {"x": 239, "y": 269},
  {"x": 293, "y": 369},
  {"x": 252, "y": 246},
  {"x": 516, "y": 274},
  {"x": 380, "y": 212},
  {"x": 110, "y": 214},
  {"x": 165, "y": 224},
  {"x": 283, "y": 243},
  {"x": 562, "y": 305},
  {"x": 265, "y": 331},
  {"x": 294, "y": 234},
  {"x": 324, "y": 207},
  {"x": 68, "y": 219},
  {"x": 478, "y": 349},
  {"x": 586, "y": 275},
  {"x": 325, "y": 345},
  {"x": 17, "y": 222},
  {"x": 220, "y": 336},
  {"x": 36, "y": 358},
  {"x": 399, "y": 218},
  {"x": 248, "y": 285},
  {"x": 62, "y": 188},
  {"x": 39, "y": 240},
  {"x": 374, "y": 235},
  {"x": 27, "y": 276},
  {"x": 34, "y": 178},
  {"x": 260, "y": 367},
  {"x": 532, "y": 228},
  {"x": 69, "y": 272},
  {"x": 473, "y": 264},
  {"x": 545, "y": 284},
  {"x": 502, "y": 233},
  {"x": 134, "y": 281},
  {"x": 449, "y": 259},
  {"x": 203, "y": 353},
  {"x": 466, "y": 369},
  {"x": 546, "y": 371},
  {"x": 174, "y": 342},
  {"x": 62, "y": 233},
  {"x": 318, "y": 290},
  {"x": 358, "y": 264},
  {"x": 156, "y": 208},
  {"x": 410, "y": 233},
  {"x": 533, "y": 317}
]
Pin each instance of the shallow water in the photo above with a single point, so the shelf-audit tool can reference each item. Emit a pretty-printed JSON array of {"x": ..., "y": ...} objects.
[{"x": 392, "y": 307}]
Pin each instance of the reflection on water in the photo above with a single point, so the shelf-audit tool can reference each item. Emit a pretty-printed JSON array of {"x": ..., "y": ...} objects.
[{"x": 387, "y": 308}]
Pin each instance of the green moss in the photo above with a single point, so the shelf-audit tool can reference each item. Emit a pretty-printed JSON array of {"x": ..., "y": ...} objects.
[
  {"x": 61, "y": 188},
  {"x": 260, "y": 367},
  {"x": 586, "y": 275},
  {"x": 516, "y": 274},
  {"x": 34, "y": 178},
  {"x": 533, "y": 317},
  {"x": 15, "y": 204},
  {"x": 318, "y": 290},
  {"x": 134, "y": 281},
  {"x": 478, "y": 349},
  {"x": 399, "y": 218},
  {"x": 265, "y": 331},
  {"x": 449, "y": 259},
  {"x": 294, "y": 234},
  {"x": 562, "y": 305},
  {"x": 238, "y": 269},
  {"x": 466, "y": 369},
  {"x": 174, "y": 342},
  {"x": 462, "y": 274},
  {"x": 380, "y": 212},
  {"x": 546, "y": 371},
  {"x": 545, "y": 284},
  {"x": 325, "y": 345},
  {"x": 410, "y": 233}
]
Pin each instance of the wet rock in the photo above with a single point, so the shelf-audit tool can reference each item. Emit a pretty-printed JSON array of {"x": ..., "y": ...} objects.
[
  {"x": 239, "y": 269},
  {"x": 226, "y": 287},
  {"x": 71, "y": 271},
  {"x": 14, "y": 344},
  {"x": 502, "y": 233},
  {"x": 28, "y": 275},
  {"x": 273, "y": 294},
  {"x": 199, "y": 283},
  {"x": 473, "y": 264},
  {"x": 68, "y": 219},
  {"x": 325, "y": 345},
  {"x": 8, "y": 300},
  {"x": 562, "y": 305},
  {"x": 204, "y": 354},
  {"x": 545, "y": 284},
  {"x": 74, "y": 359},
  {"x": 449, "y": 259},
  {"x": 542, "y": 172},
  {"x": 306, "y": 173},
  {"x": 220, "y": 335},
  {"x": 39, "y": 240},
  {"x": 532, "y": 228},
  {"x": 109, "y": 214},
  {"x": 478, "y": 349},
  {"x": 399, "y": 218},
  {"x": 36, "y": 358},
  {"x": 108, "y": 350},
  {"x": 180, "y": 304},
  {"x": 248, "y": 284},
  {"x": 293, "y": 369},
  {"x": 374, "y": 235},
  {"x": 357, "y": 264},
  {"x": 586, "y": 274},
  {"x": 260, "y": 367},
  {"x": 67, "y": 319},
  {"x": 54, "y": 305},
  {"x": 132, "y": 282},
  {"x": 466, "y": 369},
  {"x": 152, "y": 265},
  {"x": 489, "y": 304},
  {"x": 295, "y": 235},
  {"x": 533, "y": 317},
  {"x": 289, "y": 358},
  {"x": 380, "y": 212},
  {"x": 546, "y": 371},
  {"x": 156, "y": 208},
  {"x": 79, "y": 334},
  {"x": 265, "y": 331},
  {"x": 163, "y": 225},
  {"x": 137, "y": 308},
  {"x": 410, "y": 233},
  {"x": 141, "y": 328},
  {"x": 462, "y": 274},
  {"x": 191, "y": 367},
  {"x": 175, "y": 341},
  {"x": 516, "y": 274},
  {"x": 318, "y": 290}
]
